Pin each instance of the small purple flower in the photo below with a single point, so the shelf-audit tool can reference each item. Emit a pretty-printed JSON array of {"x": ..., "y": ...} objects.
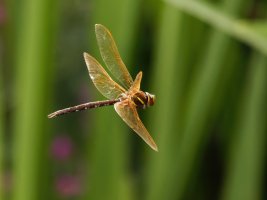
[
  {"x": 68, "y": 186},
  {"x": 7, "y": 181},
  {"x": 3, "y": 15},
  {"x": 62, "y": 148}
]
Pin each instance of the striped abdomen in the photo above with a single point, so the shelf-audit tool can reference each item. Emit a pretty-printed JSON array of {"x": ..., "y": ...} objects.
[{"x": 84, "y": 106}]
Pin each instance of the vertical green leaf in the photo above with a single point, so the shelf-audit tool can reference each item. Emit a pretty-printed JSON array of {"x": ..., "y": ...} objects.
[
  {"x": 2, "y": 124},
  {"x": 165, "y": 76},
  {"x": 245, "y": 171},
  {"x": 33, "y": 62},
  {"x": 172, "y": 61},
  {"x": 198, "y": 105},
  {"x": 108, "y": 147},
  {"x": 225, "y": 22}
]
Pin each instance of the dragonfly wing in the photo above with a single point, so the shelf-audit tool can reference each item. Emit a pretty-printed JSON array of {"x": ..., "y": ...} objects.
[
  {"x": 111, "y": 56},
  {"x": 127, "y": 111},
  {"x": 101, "y": 79},
  {"x": 136, "y": 84}
]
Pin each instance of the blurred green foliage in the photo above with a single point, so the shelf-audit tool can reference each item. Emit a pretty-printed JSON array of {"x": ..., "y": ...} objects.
[{"x": 204, "y": 60}]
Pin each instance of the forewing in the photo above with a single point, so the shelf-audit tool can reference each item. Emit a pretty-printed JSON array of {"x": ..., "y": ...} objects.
[
  {"x": 111, "y": 56},
  {"x": 136, "y": 84},
  {"x": 101, "y": 79},
  {"x": 127, "y": 111}
]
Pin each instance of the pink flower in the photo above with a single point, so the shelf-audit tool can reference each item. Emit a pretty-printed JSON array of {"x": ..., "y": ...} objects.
[
  {"x": 3, "y": 15},
  {"x": 68, "y": 186},
  {"x": 7, "y": 181},
  {"x": 62, "y": 148}
]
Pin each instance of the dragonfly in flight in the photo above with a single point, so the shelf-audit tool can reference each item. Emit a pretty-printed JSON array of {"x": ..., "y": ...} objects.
[{"x": 126, "y": 96}]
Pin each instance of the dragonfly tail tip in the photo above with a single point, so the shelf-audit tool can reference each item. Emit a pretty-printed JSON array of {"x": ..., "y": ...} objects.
[{"x": 51, "y": 115}]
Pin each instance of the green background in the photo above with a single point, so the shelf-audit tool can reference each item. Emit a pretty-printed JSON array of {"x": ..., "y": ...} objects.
[{"x": 206, "y": 62}]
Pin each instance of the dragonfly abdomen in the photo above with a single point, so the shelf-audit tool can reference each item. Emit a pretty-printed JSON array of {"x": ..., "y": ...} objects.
[{"x": 85, "y": 106}]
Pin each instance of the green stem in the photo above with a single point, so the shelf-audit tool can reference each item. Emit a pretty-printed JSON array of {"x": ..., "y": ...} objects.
[
  {"x": 167, "y": 83},
  {"x": 2, "y": 128},
  {"x": 200, "y": 98},
  {"x": 109, "y": 145},
  {"x": 32, "y": 61},
  {"x": 236, "y": 28},
  {"x": 245, "y": 172}
]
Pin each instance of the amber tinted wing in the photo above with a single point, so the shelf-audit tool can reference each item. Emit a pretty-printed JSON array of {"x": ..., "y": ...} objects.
[
  {"x": 101, "y": 79},
  {"x": 136, "y": 84},
  {"x": 111, "y": 56},
  {"x": 128, "y": 113}
]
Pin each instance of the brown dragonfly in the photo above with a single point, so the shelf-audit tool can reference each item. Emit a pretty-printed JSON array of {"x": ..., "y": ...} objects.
[{"x": 126, "y": 97}]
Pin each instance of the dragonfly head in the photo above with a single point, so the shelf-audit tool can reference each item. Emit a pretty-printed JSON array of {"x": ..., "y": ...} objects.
[
  {"x": 143, "y": 99},
  {"x": 150, "y": 99}
]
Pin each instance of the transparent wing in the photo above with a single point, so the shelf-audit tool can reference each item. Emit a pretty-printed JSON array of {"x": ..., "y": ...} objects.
[
  {"x": 101, "y": 79},
  {"x": 127, "y": 111},
  {"x": 136, "y": 84},
  {"x": 111, "y": 56}
]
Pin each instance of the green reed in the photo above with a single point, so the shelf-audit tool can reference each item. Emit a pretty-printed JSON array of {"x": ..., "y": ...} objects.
[
  {"x": 2, "y": 128},
  {"x": 34, "y": 48},
  {"x": 199, "y": 111},
  {"x": 245, "y": 172},
  {"x": 109, "y": 146}
]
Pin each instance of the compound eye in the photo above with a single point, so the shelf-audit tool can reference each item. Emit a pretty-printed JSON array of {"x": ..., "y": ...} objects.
[{"x": 151, "y": 99}]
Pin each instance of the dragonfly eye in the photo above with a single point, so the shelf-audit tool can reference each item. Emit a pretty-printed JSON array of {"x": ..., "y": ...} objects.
[
  {"x": 140, "y": 99},
  {"x": 151, "y": 99}
]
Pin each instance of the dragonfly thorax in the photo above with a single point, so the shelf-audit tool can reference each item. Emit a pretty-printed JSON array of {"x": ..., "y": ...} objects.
[{"x": 143, "y": 99}]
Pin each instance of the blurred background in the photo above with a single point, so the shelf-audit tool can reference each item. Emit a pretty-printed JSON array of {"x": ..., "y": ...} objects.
[{"x": 205, "y": 60}]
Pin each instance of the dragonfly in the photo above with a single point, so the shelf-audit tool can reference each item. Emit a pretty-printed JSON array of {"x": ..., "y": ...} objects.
[{"x": 125, "y": 94}]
